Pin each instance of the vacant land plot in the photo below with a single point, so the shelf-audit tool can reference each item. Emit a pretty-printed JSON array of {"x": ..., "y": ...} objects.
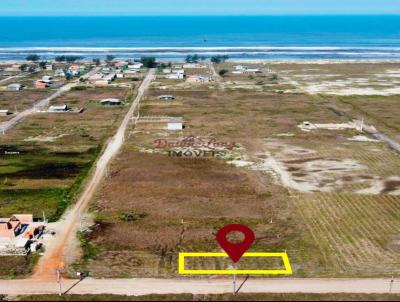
[
  {"x": 319, "y": 195},
  {"x": 47, "y": 156},
  {"x": 343, "y": 79}
]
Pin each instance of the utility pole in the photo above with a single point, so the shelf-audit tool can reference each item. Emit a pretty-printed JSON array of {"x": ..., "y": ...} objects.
[
  {"x": 59, "y": 281},
  {"x": 391, "y": 284}
]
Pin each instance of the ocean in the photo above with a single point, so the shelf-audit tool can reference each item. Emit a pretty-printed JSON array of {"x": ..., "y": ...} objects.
[{"x": 172, "y": 38}]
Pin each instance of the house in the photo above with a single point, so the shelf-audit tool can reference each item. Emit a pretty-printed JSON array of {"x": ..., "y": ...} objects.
[
  {"x": 121, "y": 65},
  {"x": 110, "y": 102},
  {"x": 47, "y": 79},
  {"x": 135, "y": 66},
  {"x": 41, "y": 85},
  {"x": 167, "y": 70},
  {"x": 198, "y": 79},
  {"x": 49, "y": 67},
  {"x": 120, "y": 75},
  {"x": 177, "y": 66},
  {"x": 239, "y": 67},
  {"x": 15, "y": 87},
  {"x": 4, "y": 112},
  {"x": 59, "y": 108},
  {"x": 59, "y": 73},
  {"x": 175, "y": 76},
  {"x": 15, "y": 226},
  {"x": 166, "y": 97},
  {"x": 107, "y": 69},
  {"x": 253, "y": 70},
  {"x": 175, "y": 124},
  {"x": 18, "y": 234}
]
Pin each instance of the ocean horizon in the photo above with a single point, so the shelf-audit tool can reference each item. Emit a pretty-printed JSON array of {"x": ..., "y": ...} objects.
[{"x": 173, "y": 37}]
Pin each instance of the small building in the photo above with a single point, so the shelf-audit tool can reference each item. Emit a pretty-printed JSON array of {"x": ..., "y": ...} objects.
[
  {"x": 120, "y": 75},
  {"x": 122, "y": 64},
  {"x": 59, "y": 73},
  {"x": 59, "y": 108},
  {"x": 4, "y": 112},
  {"x": 175, "y": 76},
  {"x": 47, "y": 79},
  {"x": 253, "y": 70},
  {"x": 198, "y": 79},
  {"x": 166, "y": 97},
  {"x": 175, "y": 124},
  {"x": 194, "y": 65},
  {"x": 111, "y": 102},
  {"x": 135, "y": 66},
  {"x": 167, "y": 70},
  {"x": 15, "y": 87},
  {"x": 49, "y": 67},
  {"x": 177, "y": 66},
  {"x": 239, "y": 67},
  {"x": 41, "y": 85}
]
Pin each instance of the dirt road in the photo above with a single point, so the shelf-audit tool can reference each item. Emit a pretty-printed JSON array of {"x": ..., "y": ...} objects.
[
  {"x": 40, "y": 104},
  {"x": 54, "y": 255},
  {"x": 173, "y": 286}
]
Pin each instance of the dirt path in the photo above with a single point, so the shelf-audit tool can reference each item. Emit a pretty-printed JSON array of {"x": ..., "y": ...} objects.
[
  {"x": 40, "y": 104},
  {"x": 13, "y": 77},
  {"x": 205, "y": 286},
  {"x": 54, "y": 255},
  {"x": 216, "y": 76}
]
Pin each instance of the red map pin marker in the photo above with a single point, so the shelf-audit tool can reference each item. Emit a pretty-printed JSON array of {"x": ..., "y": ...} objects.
[{"x": 235, "y": 250}]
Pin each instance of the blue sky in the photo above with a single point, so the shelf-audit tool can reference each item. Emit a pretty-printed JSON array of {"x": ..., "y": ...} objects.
[{"x": 196, "y": 7}]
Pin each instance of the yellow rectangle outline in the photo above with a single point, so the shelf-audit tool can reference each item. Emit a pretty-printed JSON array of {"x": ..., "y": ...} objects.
[{"x": 283, "y": 255}]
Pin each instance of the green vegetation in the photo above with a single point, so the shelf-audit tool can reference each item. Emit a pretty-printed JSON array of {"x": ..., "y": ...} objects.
[
  {"x": 22, "y": 176},
  {"x": 219, "y": 297},
  {"x": 219, "y": 59},
  {"x": 109, "y": 58},
  {"x": 148, "y": 62},
  {"x": 33, "y": 58},
  {"x": 68, "y": 59},
  {"x": 12, "y": 267},
  {"x": 194, "y": 58},
  {"x": 222, "y": 72}
]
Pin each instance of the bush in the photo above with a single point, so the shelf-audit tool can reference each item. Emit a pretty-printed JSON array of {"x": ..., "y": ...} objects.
[
  {"x": 222, "y": 72},
  {"x": 33, "y": 58},
  {"x": 148, "y": 62}
]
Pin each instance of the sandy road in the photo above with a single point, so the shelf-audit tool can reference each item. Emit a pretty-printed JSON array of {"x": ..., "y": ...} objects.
[
  {"x": 54, "y": 255},
  {"x": 145, "y": 286},
  {"x": 40, "y": 104}
]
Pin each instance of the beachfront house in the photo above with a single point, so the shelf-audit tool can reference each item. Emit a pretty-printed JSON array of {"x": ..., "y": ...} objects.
[
  {"x": 134, "y": 66},
  {"x": 59, "y": 108},
  {"x": 15, "y": 87}
]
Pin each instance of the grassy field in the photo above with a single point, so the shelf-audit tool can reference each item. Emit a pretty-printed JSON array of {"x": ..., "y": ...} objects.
[
  {"x": 219, "y": 297},
  {"x": 16, "y": 266},
  {"x": 153, "y": 206}
]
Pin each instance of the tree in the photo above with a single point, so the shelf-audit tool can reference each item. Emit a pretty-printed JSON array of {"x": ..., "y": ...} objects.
[
  {"x": 43, "y": 64},
  {"x": 109, "y": 58},
  {"x": 193, "y": 58},
  {"x": 32, "y": 58},
  {"x": 148, "y": 62},
  {"x": 96, "y": 61},
  {"x": 219, "y": 59},
  {"x": 60, "y": 59},
  {"x": 24, "y": 67},
  {"x": 222, "y": 72},
  {"x": 72, "y": 59}
]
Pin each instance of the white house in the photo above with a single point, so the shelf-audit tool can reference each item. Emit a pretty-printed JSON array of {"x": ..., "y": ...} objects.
[
  {"x": 110, "y": 102},
  {"x": 15, "y": 87},
  {"x": 59, "y": 108},
  {"x": 175, "y": 76},
  {"x": 47, "y": 79},
  {"x": 4, "y": 112},
  {"x": 198, "y": 79},
  {"x": 175, "y": 124}
]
